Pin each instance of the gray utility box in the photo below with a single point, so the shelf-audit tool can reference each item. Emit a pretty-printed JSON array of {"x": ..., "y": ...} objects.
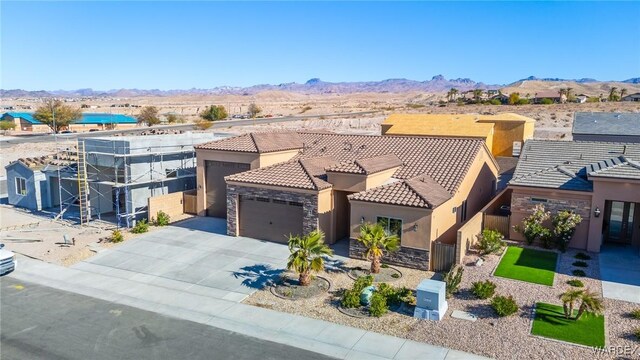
[
  {"x": 430, "y": 294},
  {"x": 430, "y": 300}
]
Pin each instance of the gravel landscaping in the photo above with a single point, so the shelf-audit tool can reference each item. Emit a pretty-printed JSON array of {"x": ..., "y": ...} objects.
[
  {"x": 289, "y": 288},
  {"x": 387, "y": 274},
  {"x": 500, "y": 338}
]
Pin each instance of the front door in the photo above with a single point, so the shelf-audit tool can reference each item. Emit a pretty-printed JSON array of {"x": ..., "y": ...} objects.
[{"x": 619, "y": 222}]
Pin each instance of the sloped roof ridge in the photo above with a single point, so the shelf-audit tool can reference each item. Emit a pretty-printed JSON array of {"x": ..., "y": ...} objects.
[{"x": 418, "y": 178}]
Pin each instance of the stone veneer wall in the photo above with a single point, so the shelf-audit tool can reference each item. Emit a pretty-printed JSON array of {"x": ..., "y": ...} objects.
[
  {"x": 408, "y": 257},
  {"x": 309, "y": 205},
  {"x": 525, "y": 204}
]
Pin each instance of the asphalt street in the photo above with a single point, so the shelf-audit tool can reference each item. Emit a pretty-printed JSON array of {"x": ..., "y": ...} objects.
[
  {"x": 223, "y": 124},
  {"x": 38, "y": 322}
]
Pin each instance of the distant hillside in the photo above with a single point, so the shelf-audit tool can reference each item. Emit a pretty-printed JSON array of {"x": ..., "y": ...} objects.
[{"x": 316, "y": 86}]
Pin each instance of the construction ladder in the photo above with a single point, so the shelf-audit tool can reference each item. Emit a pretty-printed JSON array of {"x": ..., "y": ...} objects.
[{"x": 83, "y": 186}]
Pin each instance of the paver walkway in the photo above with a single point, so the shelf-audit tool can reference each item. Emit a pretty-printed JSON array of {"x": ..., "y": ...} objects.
[
  {"x": 620, "y": 273},
  {"x": 192, "y": 272}
]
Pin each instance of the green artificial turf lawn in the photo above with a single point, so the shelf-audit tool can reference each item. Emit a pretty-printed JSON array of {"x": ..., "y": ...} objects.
[
  {"x": 534, "y": 266},
  {"x": 551, "y": 323}
]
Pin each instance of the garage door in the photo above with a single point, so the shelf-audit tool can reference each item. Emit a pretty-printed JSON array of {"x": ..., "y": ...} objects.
[
  {"x": 215, "y": 171},
  {"x": 269, "y": 219}
]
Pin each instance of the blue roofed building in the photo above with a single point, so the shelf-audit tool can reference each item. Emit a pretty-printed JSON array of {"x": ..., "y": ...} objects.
[{"x": 100, "y": 121}]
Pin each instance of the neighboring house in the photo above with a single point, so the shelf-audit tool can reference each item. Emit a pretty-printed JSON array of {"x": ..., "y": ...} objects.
[
  {"x": 271, "y": 185},
  {"x": 581, "y": 98},
  {"x": 499, "y": 131},
  {"x": 25, "y": 122},
  {"x": 504, "y": 99},
  {"x": 122, "y": 173},
  {"x": 600, "y": 181},
  {"x": 101, "y": 121},
  {"x": 632, "y": 97},
  {"x": 606, "y": 126},
  {"x": 553, "y": 95},
  {"x": 28, "y": 181}
]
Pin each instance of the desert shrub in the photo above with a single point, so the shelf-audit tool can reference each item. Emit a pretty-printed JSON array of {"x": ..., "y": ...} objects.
[
  {"x": 116, "y": 236},
  {"x": 578, "y": 272},
  {"x": 162, "y": 218},
  {"x": 495, "y": 102},
  {"x": 141, "y": 226},
  {"x": 504, "y": 305},
  {"x": 415, "y": 106},
  {"x": 564, "y": 225},
  {"x": 395, "y": 295},
  {"x": 350, "y": 299},
  {"x": 532, "y": 228},
  {"x": 305, "y": 109},
  {"x": 580, "y": 264},
  {"x": 575, "y": 283},
  {"x": 7, "y": 125},
  {"x": 395, "y": 275},
  {"x": 546, "y": 101},
  {"x": 582, "y": 256},
  {"x": 362, "y": 282},
  {"x": 546, "y": 237},
  {"x": 378, "y": 305},
  {"x": 522, "y": 102},
  {"x": 384, "y": 266},
  {"x": 203, "y": 124},
  {"x": 453, "y": 279},
  {"x": 490, "y": 241},
  {"x": 483, "y": 289},
  {"x": 636, "y": 333},
  {"x": 635, "y": 314}
]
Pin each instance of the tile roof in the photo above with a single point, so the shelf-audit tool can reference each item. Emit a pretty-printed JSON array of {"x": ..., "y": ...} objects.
[
  {"x": 422, "y": 192},
  {"x": 264, "y": 142},
  {"x": 569, "y": 164},
  {"x": 297, "y": 173},
  {"x": 618, "y": 167},
  {"x": 434, "y": 166},
  {"x": 369, "y": 165},
  {"x": 606, "y": 123}
]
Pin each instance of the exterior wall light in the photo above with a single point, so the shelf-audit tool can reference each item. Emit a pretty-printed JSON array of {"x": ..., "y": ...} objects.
[
  {"x": 362, "y": 220},
  {"x": 596, "y": 212}
]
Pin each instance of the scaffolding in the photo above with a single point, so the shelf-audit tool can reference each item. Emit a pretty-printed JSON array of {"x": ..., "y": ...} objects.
[{"x": 108, "y": 170}]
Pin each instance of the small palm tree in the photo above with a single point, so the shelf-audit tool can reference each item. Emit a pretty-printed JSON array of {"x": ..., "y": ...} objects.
[
  {"x": 376, "y": 241},
  {"x": 623, "y": 93},
  {"x": 591, "y": 303},
  {"x": 569, "y": 298},
  {"x": 307, "y": 255},
  {"x": 613, "y": 94}
]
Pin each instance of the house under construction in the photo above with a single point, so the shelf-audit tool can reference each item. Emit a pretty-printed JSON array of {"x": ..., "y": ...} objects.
[{"x": 107, "y": 177}]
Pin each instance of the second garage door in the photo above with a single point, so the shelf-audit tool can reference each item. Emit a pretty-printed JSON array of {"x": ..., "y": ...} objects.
[{"x": 269, "y": 219}]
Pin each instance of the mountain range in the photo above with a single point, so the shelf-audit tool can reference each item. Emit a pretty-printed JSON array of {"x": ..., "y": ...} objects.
[{"x": 437, "y": 83}]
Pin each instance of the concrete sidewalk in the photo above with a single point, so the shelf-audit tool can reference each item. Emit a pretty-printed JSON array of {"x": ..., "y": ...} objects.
[{"x": 310, "y": 334}]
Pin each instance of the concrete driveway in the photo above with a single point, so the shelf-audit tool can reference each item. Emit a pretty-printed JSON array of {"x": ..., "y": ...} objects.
[
  {"x": 620, "y": 273},
  {"x": 196, "y": 257}
]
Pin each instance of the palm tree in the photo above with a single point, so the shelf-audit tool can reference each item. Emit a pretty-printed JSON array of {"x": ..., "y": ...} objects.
[
  {"x": 591, "y": 303},
  {"x": 613, "y": 94},
  {"x": 449, "y": 95},
  {"x": 477, "y": 94},
  {"x": 454, "y": 93},
  {"x": 569, "y": 298},
  {"x": 376, "y": 241},
  {"x": 569, "y": 94},
  {"x": 623, "y": 92},
  {"x": 307, "y": 255}
]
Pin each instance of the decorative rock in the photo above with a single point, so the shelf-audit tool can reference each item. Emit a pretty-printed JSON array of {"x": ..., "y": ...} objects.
[
  {"x": 479, "y": 262},
  {"x": 463, "y": 315},
  {"x": 365, "y": 296}
]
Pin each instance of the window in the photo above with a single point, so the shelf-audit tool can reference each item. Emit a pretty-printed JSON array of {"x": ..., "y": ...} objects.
[
  {"x": 262, "y": 199},
  {"x": 281, "y": 202},
  {"x": 171, "y": 173},
  {"x": 21, "y": 186},
  {"x": 463, "y": 211},
  {"x": 391, "y": 225},
  {"x": 539, "y": 200}
]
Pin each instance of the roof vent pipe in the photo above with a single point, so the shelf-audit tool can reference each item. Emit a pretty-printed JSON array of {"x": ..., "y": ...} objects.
[{"x": 624, "y": 149}]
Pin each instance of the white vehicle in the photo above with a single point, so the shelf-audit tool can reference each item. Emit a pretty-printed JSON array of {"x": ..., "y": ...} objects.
[{"x": 8, "y": 260}]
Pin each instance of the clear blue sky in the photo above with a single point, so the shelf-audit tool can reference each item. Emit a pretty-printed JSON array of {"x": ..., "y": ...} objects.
[{"x": 178, "y": 45}]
